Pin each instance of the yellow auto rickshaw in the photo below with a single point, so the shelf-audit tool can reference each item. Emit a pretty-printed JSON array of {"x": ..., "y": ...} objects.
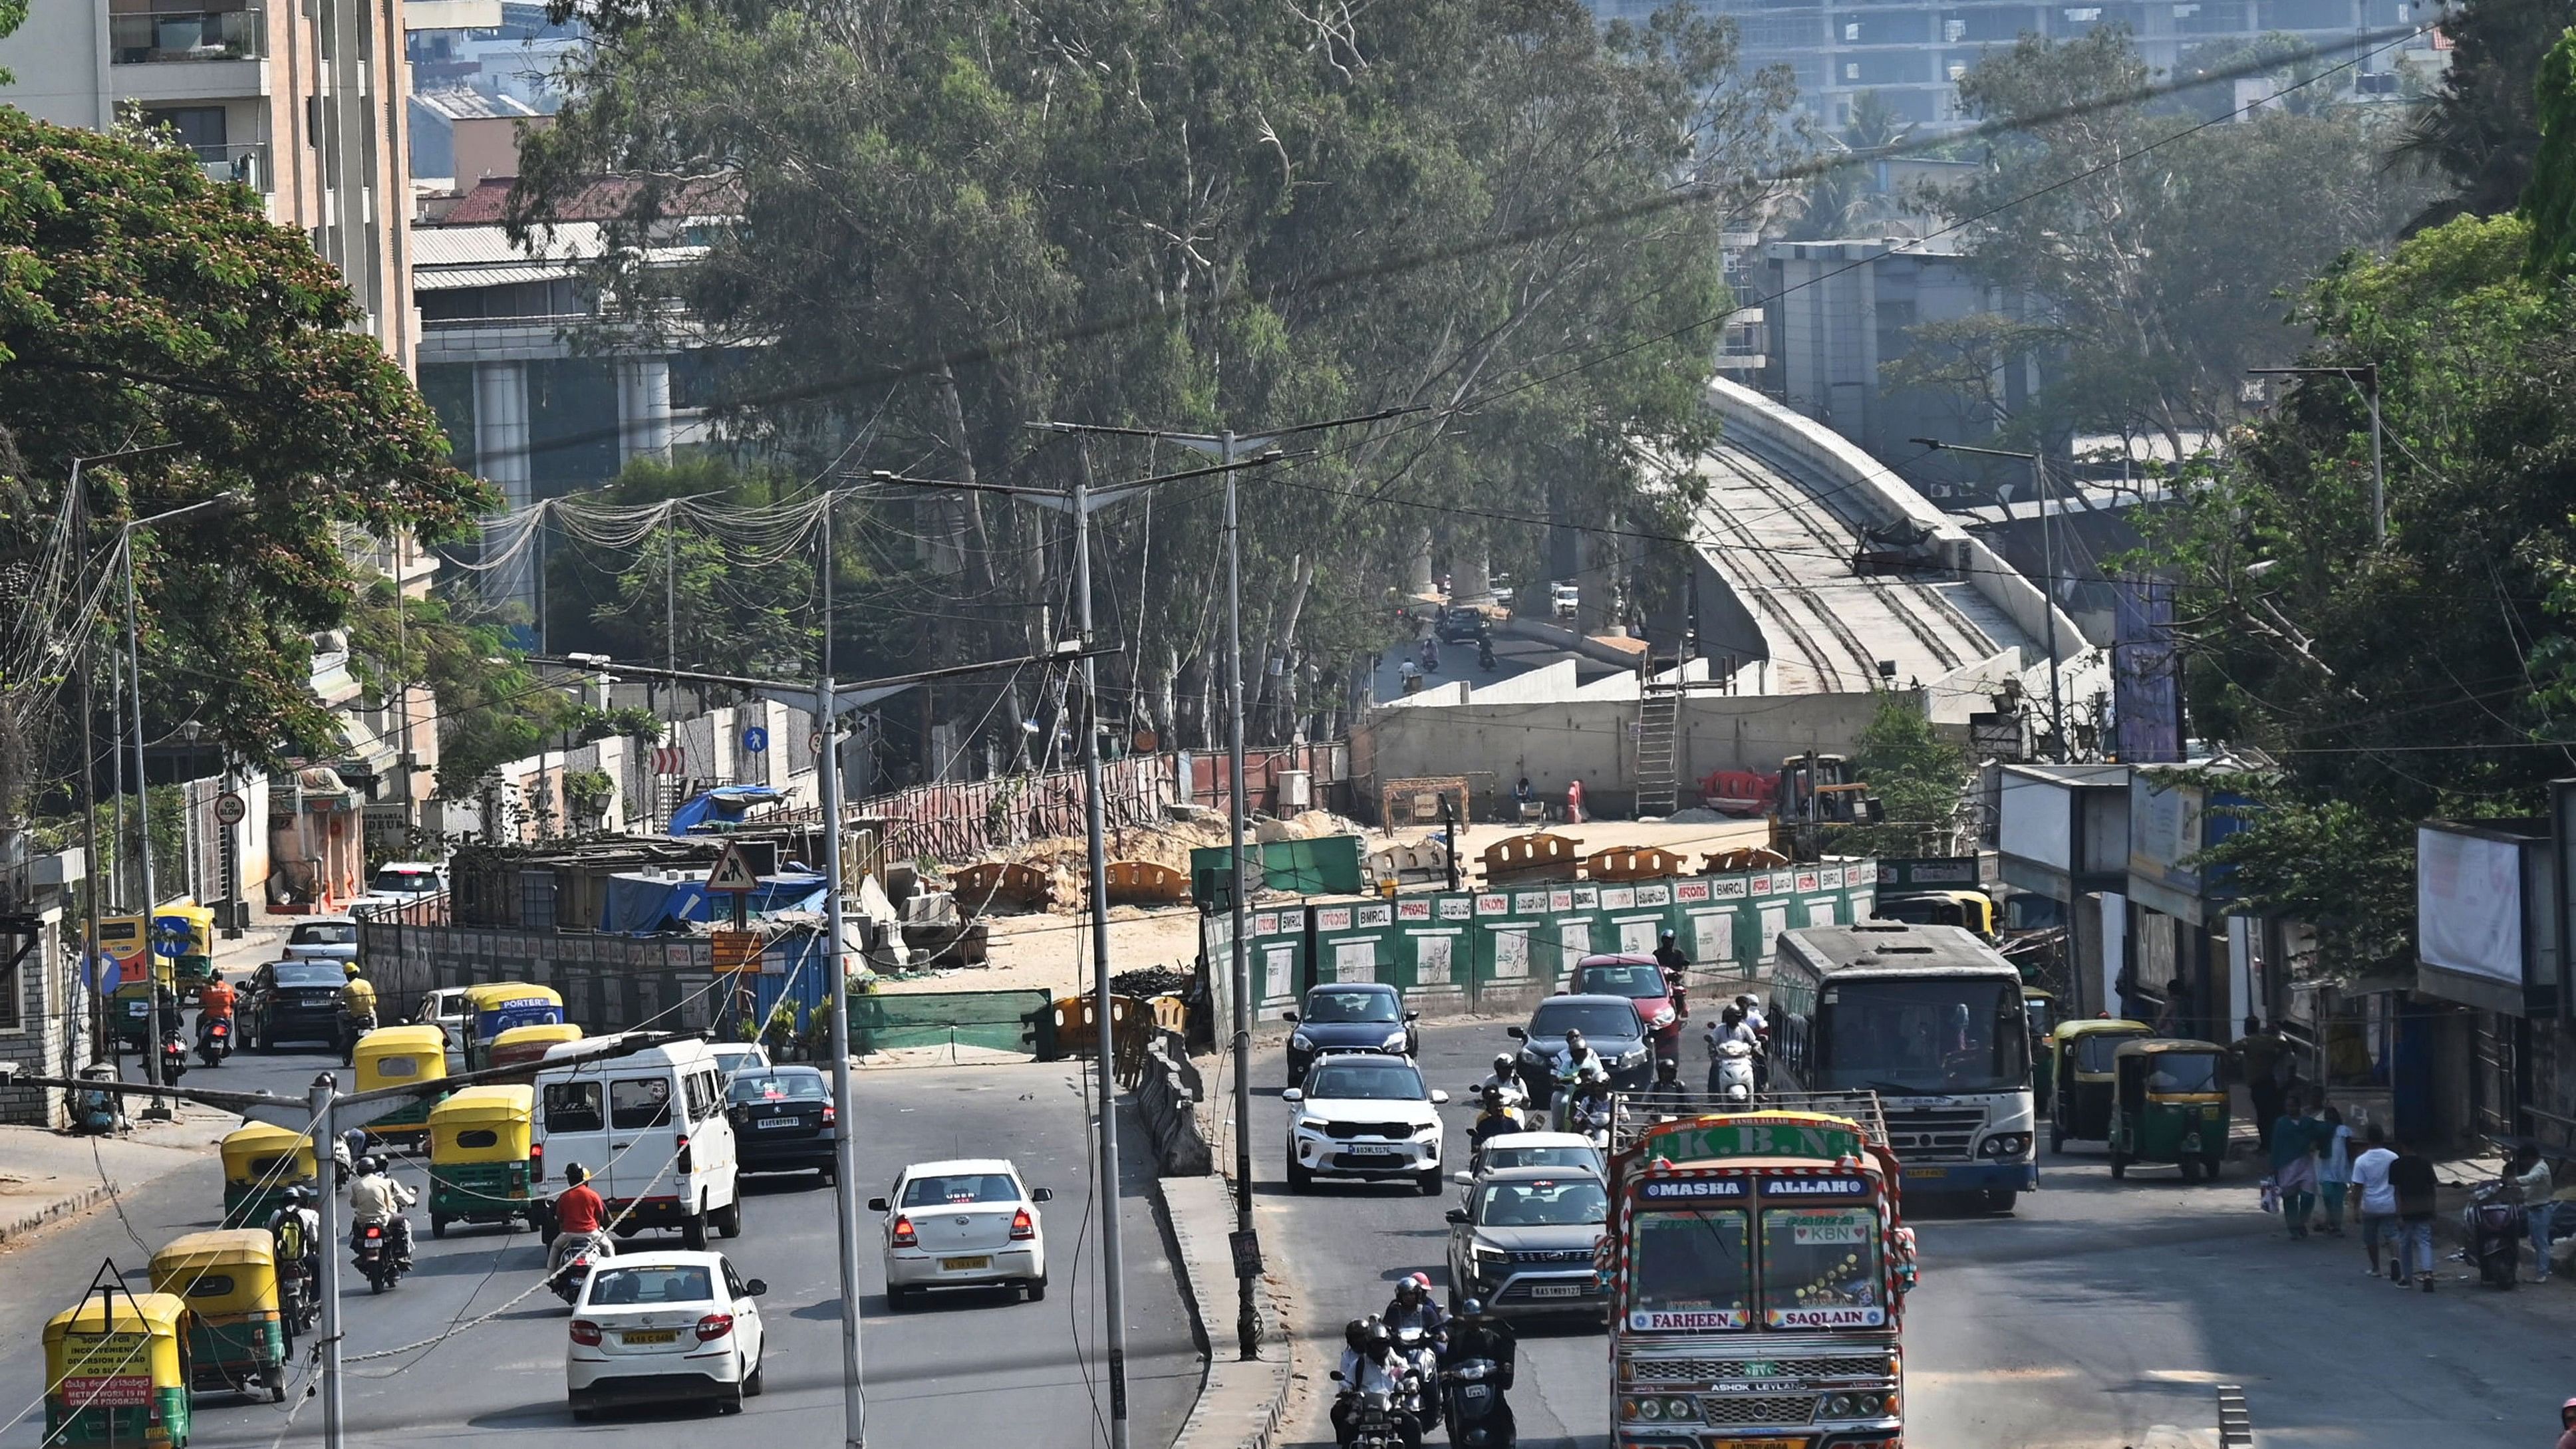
[
  {"x": 497, "y": 1006},
  {"x": 2080, "y": 1106},
  {"x": 116, "y": 1370},
  {"x": 128, "y": 941},
  {"x": 237, "y": 1339},
  {"x": 480, "y": 1167},
  {"x": 196, "y": 961},
  {"x": 401, "y": 1056},
  {"x": 260, "y": 1163},
  {"x": 525, "y": 1046},
  {"x": 2169, "y": 1104}
]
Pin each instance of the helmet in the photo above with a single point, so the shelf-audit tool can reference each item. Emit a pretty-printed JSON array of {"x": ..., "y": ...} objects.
[
  {"x": 2567, "y": 1413},
  {"x": 1356, "y": 1332},
  {"x": 1410, "y": 1290},
  {"x": 1668, "y": 933},
  {"x": 298, "y": 1195},
  {"x": 349, "y": 969},
  {"x": 1374, "y": 1334},
  {"x": 1668, "y": 1070},
  {"x": 575, "y": 1174},
  {"x": 370, "y": 1165},
  {"x": 1503, "y": 1063},
  {"x": 1470, "y": 1307}
]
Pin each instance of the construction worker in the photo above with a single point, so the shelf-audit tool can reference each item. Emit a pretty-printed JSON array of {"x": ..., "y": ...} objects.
[{"x": 357, "y": 1013}]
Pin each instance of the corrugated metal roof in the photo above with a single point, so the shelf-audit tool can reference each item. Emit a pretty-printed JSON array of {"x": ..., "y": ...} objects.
[
  {"x": 451, "y": 279},
  {"x": 442, "y": 246}
]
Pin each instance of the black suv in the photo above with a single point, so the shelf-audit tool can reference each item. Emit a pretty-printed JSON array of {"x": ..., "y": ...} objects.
[
  {"x": 1350, "y": 1016},
  {"x": 293, "y": 1001}
]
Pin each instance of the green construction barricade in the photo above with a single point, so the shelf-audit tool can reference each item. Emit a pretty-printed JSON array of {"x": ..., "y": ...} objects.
[
  {"x": 1357, "y": 941},
  {"x": 1274, "y": 958},
  {"x": 1633, "y": 918},
  {"x": 1511, "y": 950},
  {"x": 1710, "y": 922},
  {"x": 1432, "y": 939}
]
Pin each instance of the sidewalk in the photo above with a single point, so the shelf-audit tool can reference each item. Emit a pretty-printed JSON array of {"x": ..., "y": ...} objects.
[{"x": 51, "y": 1176}]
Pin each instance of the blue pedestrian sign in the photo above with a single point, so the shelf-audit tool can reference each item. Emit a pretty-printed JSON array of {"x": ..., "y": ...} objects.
[
  {"x": 755, "y": 740},
  {"x": 170, "y": 936}
]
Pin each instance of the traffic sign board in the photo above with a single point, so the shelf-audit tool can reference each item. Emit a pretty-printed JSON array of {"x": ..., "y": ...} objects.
[
  {"x": 732, "y": 874},
  {"x": 737, "y": 953},
  {"x": 230, "y": 808},
  {"x": 755, "y": 740}
]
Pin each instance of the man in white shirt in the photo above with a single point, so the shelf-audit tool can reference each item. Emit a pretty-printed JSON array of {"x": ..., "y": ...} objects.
[
  {"x": 1369, "y": 1365},
  {"x": 2378, "y": 1199}
]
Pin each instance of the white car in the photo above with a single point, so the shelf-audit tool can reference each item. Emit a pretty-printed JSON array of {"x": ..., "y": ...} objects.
[
  {"x": 323, "y": 938},
  {"x": 445, "y": 1008},
  {"x": 733, "y": 1058},
  {"x": 967, "y": 1223},
  {"x": 1365, "y": 1116},
  {"x": 399, "y": 883},
  {"x": 659, "y": 1327}
]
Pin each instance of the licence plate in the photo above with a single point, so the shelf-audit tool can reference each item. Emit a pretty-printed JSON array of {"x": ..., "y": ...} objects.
[
  {"x": 768, "y": 1122},
  {"x": 1909, "y": 1172},
  {"x": 1769, "y": 1444},
  {"x": 650, "y": 1335},
  {"x": 1557, "y": 1290},
  {"x": 963, "y": 1265}
]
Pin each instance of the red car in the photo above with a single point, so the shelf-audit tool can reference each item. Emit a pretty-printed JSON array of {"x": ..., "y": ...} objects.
[{"x": 1639, "y": 979}]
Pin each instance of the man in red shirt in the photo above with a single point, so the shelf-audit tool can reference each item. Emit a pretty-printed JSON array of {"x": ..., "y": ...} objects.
[{"x": 579, "y": 1209}]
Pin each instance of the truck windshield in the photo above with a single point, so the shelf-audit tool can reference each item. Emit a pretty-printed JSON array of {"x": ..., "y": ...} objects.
[
  {"x": 1930, "y": 1035},
  {"x": 1820, "y": 1268},
  {"x": 2183, "y": 1072},
  {"x": 1689, "y": 1271}
]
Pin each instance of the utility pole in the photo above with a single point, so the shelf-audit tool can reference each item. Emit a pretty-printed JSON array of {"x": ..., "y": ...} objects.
[
  {"x": 1231, "y": 451},
  {"x": 319, "y": 1100},
  {"x": 2365, "y": 377},
  {"x": 2048, "y": 575}
]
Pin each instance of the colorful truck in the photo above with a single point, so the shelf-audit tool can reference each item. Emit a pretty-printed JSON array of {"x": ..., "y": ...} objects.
[{"x": 1758, "y": 1263}]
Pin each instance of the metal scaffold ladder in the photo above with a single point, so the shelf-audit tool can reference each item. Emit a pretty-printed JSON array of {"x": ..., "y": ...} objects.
[{"x": 1659, "y": 707}]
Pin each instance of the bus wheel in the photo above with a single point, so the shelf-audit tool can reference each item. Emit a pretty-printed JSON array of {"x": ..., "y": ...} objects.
[{"x": 2002, "y": 1199}]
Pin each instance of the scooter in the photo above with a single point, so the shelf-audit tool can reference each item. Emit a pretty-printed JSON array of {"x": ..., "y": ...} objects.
[
  {"x": 586, "y": 1251},
  {"x": 174, "y": 1057},
  {"x": 1478, "y": 1416},
  {"x": 2495, "y": 1236},
  {"x": 1731, "y": 1075},
  {"x": 1421, "y": 1397},
  {"x": 377, "y": 1257},
  {"x": 215, "y": 1041}
]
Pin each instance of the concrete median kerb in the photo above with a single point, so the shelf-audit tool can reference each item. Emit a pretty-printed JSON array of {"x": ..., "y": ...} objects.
[
  {"x": 49, "y": 1177},
  {"x": 1241, "y": 1405}
]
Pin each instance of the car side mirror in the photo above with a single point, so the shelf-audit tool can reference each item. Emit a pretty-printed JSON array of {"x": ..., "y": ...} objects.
[
  {"x": 1463, "y": 1179},
  {"x": 1042, "y": 1194},
  {"x": 754, "y": 1287},
  {"x": 1293, "y": 1094},
  {"x": 876, "y": 1204},
  {"x": 1337, "y": 1376},
  {"x": 1413, "y": 1016},
  {"x": 1456, "y": 1216},
  {"x": 1287, "y": 1016},
  {"x": 1439, "y": 1098},
  {"x": 1515, "y": 1033}
]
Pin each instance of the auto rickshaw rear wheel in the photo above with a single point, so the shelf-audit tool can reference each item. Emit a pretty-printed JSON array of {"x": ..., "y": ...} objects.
[{"x": 2119, "y": 1165}]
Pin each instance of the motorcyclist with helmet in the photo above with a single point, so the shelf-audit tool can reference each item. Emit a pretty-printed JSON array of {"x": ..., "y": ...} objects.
[
  {"x": 1475, "y": 1334},
  {"x": 377, "y": 1200},
  {"x": 1506, "y": 1076},
  {"x": 296, "y": 1230},
  {"x": 1413, "y": 1308},
  {"x": 1370, "y": 1365},
  {"x": 1666, "y": 1096},
  {"x": 1498, "y": 1114}
]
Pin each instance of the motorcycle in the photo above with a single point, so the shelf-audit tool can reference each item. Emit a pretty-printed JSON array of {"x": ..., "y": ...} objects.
[
  {"x": 1485, "y": 655},
  {"x": 586, "y": 1250},
  {"x": 1372, "y": 1420},
  {"x": 296, "y": 1298},
  {"x": 1498, "y": 1118},
  {"x": 1421, "y": 1399},
  {"x": 215, "y": 1041},
  {"x": 377, "y": 1256},
  {"x": 2495, "y": 1236},
  {"x": 1478, "y": 1416}
]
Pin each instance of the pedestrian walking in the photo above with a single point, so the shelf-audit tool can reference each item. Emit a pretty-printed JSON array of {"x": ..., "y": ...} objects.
[
  {"x": 2377, "y": 1200},
  {"x": 2529, "y": 1172},
  {"x": 2411, "y": 1175},
  {"x": 2260, "y": 1056},
  {"x": 2334, "y": 1167},
  {"x": 2294, "y": 1167}
]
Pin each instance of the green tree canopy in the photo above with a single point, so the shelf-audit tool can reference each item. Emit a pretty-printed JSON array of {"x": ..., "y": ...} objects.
[
  {"x": 143, "y": 306},
  {"x": 2549, "y": 203}
]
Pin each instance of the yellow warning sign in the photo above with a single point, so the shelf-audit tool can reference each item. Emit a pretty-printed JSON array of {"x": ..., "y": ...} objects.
[{"x": 732, "y": 874}]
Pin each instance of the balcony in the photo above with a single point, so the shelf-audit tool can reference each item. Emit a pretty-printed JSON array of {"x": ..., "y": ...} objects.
[
  {"x": 169, "y": 37},
  {"x": 246, "y": 163}
]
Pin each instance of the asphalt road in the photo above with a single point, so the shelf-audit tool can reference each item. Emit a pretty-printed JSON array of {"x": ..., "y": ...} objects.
[
  {"x": 967, "y": 1368},
  {"x": 2100, "y": 1316}
]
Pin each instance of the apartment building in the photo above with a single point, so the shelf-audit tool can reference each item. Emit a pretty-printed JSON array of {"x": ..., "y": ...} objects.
[
  {"x": 301, "y": 100},
  {"x": 1912, "y": 52}
]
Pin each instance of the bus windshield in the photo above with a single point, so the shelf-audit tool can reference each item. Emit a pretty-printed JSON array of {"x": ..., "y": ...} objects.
[
  {"x": 1689, "y": 1271},
  {"x": 1930, "y": 1035},
  {"x": 1820, "y": 1268}
]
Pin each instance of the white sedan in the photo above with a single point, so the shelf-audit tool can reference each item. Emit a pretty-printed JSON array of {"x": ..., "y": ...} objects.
[
  {"x": 664, "y": 1327},
  {"x": 967, "y": 1223}
]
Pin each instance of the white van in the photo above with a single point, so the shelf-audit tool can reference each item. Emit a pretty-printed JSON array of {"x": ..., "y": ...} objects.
[{"x": 651, "y": 1128}]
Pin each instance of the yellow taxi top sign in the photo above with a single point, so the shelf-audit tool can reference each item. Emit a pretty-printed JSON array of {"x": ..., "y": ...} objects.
[{"x": 732, "y": 875}]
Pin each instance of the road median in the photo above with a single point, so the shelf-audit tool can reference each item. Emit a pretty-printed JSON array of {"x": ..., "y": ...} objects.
[{"x": 1241, "y": 1403}]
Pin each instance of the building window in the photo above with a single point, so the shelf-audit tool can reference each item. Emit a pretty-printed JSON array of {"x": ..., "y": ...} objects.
[
  {"x": 1894, "y": 319},
  {"x": 2082, "y": 14},
  {"x": 2185, "y": 12},
  {"x": 1958, "y": 68},
  {"x": 1851, "y": 30},
  {"x": 13, "y": 981},
  {"x": 1851, "y": 70},
  {"x": 1954, "y": 31}
]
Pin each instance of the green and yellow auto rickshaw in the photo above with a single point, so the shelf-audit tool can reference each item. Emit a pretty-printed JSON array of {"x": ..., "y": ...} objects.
[
  {"x": 116, "y": 1370},
  {"x": 195, "y": 967},
  {"x": 479, "y": 1158},
  {"x": 496, "y": 1007},
  {"x": 260, "y": 1163},
  {"x": 401, "y": 1056},
  {"x": 237, "y": 1339},
  {"x": 2169, "y": 1104},
  {"x": 2081, "y": 1056}
]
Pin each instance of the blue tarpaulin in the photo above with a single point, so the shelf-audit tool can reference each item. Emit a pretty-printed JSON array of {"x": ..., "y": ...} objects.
[
  {"x": 645, "y": 905},
  {"x": 719, "y": 809}
]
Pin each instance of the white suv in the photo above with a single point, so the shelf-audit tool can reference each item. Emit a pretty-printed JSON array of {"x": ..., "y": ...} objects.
[
  {"x": 399, "y": 883},
  {"x": 1364, "y": 1115}
]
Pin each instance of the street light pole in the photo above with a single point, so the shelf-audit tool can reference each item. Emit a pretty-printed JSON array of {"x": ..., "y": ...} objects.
[
  {"x": 1247, "y": 1318},
  {"x": 2048, "y": 575},
  {"x": 2366, "y": 377}
]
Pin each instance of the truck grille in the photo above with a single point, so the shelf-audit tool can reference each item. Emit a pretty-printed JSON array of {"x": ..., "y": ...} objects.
[
  {"x": 1718, "y": 1370},
  {"x": 1397, "y": 1131},
  {"x": 1933, "y": 1133},
  {"x": 1758, "y": 1408}
]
